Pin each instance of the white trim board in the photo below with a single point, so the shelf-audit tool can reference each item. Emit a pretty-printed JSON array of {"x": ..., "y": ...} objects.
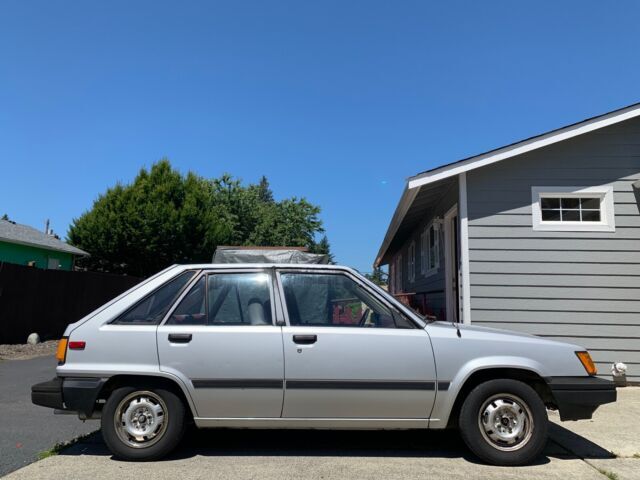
[
  {"x": 525, "y": 146},
  {"x": 464, "y": 250}
]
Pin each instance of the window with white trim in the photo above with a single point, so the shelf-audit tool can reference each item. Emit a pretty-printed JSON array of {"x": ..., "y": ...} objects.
[
  {"x": 430, "y": 249},
  {"x": 411, "y": 262},
  {"x": 573, "y": 209}
]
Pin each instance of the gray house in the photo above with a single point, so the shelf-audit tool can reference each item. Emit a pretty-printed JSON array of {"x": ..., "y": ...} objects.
[{"x": 541, "y": 236}]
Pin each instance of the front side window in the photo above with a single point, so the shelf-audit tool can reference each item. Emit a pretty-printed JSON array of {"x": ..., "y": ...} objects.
[
  {"x": 226, "y": 299},
  {"x": 335, "y": 300},
  {"x": 152, "y": 309},
  {"x": 572, "y": 209}
]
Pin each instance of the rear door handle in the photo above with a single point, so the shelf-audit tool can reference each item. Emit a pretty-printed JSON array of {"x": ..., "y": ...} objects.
[
  {"x": 180, "y": 337},
  {"x": 305, "y": 339}
]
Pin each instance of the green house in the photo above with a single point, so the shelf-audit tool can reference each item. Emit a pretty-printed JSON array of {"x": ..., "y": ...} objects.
[{"x": 25, "y": 245}]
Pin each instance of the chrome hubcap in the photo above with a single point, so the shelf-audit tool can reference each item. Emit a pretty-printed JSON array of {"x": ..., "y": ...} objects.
[
  {"x": 141, "y": 419},
  {"x": 505, "y": 422}
]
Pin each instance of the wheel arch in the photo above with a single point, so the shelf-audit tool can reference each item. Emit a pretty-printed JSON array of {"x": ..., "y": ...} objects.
[
  {"x": 158, "y": 381},
  {"x": 481, "y": 375}
]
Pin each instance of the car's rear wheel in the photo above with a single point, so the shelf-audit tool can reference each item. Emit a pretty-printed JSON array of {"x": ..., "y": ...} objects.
[
  {"x": 142, "y": 424},
  {"x": 504, "y": 422}
]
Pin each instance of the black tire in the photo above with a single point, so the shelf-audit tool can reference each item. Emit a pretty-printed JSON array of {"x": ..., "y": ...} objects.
[
  {"x": 164, "y": 441},
  {"x": 500, "y": 400}
]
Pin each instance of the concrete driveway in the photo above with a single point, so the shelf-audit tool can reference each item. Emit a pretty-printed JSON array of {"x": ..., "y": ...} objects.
[
  {"x": 581, "y": 450},
  {"x": 25, "y": 429}
]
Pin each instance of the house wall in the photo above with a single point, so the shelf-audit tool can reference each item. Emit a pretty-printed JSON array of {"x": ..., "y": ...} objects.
[
  {"x": 23, "y": 254},
  {"x": 431, "y": 285},
  {"x": 580, "y": 287}
]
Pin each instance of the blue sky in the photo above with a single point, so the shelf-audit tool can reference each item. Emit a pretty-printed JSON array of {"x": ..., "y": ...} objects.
[{"x": 335, "y": 101}]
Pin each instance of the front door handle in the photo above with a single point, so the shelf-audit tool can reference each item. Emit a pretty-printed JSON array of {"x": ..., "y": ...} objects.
[
  {"x": 305, "y": 339},
  {"x": 180, "y": 337}
]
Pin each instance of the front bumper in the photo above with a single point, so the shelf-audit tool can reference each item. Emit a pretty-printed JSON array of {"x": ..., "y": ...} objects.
[
  {"x": 578, "y": 397},
  {"x": 72, "y": 394}
]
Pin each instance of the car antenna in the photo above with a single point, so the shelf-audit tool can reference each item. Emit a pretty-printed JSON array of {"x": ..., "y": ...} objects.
[{"x": 457, "y": 325}]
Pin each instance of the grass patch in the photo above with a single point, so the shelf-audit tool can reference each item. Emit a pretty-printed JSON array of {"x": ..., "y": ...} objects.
[
  {"x": 59, "y": 447},
  {"x": 636, "y": 455},
  {"x": 55, "y": 450},
  {"x": 608, "y": 474}
]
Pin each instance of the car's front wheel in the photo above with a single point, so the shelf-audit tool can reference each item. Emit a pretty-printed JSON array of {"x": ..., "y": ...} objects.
[
  {"x": 504, "y": 422},
  {"x": 142, "y": 424}
]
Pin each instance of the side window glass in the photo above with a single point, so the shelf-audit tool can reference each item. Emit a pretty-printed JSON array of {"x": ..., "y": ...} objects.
[
  {"x": 153, "y": 308},
  {"x": 337, "y": 301},
  {"x": 192, "y": 308},
  {"x": 239, "y": 299}
]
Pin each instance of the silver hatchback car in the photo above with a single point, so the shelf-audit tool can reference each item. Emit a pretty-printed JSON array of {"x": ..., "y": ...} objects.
[{"x": 307, "y": 346}]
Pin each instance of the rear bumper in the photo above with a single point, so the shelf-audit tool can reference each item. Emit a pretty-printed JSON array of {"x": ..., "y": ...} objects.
[
  {"x": 48, "y": 394},
  {"x": 73, "y": 394},
  {"x": 578, "y": 397}
]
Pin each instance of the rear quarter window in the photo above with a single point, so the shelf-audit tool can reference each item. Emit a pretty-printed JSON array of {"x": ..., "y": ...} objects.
[{"x": 152, "y": 309}]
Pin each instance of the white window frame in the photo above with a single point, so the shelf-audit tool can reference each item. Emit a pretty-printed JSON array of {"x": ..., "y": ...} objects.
[
  {"x": 411, "y": 262},
  {"x": 607, "y": 214},
  {"x": 425, "y": 264}
]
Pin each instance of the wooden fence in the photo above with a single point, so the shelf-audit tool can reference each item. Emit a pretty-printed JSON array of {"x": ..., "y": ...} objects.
[{"x": 46, "y": 301}]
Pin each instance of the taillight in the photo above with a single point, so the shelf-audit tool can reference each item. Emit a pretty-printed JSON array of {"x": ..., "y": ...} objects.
[
  {"x": 61, "y": 352},
  {"x": 77, "y": 345}
]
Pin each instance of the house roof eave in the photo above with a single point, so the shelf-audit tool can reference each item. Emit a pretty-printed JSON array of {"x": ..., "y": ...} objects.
[
  {"x": 408, "y": 195},
  {"x": 524, "y": 146}
]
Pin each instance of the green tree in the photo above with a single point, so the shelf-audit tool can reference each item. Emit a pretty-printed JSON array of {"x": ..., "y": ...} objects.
[
  {"x": 5, "y": 217},
  {"x": 165, "y": 217},
  {"x": 324, "y": 248},
  {"x": 378, "y": 276}
]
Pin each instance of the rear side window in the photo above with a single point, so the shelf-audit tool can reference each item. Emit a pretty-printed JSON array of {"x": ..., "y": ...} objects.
[
  {"x": 226, "y": 299},
  {"x": 153, "y": 308}
]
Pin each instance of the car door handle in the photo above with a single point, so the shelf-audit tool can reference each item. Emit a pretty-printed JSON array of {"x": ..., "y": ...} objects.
[
  {"x": 305, "y": 339},
  {"x": 180, "y": 337}
]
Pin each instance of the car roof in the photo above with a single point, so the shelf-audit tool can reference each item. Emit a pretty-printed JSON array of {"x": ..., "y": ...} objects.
[{"x": 234, "y": 266}]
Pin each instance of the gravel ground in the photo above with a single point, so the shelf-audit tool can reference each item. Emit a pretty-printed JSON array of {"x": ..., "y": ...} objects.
[{"x": 25, "y": 351}]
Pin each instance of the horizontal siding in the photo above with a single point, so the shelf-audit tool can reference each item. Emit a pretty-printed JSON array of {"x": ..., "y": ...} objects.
[
  {"x": 562, "y": 292},
  {"x": 492, "y": 315},
  {"x": 525, "y": 231},
  {"x": 507, "y": 220},
  {"x": 565, "y": 256},
  {"x": 499, "y": 302},
  {"x": 562, "y": 280},
  {"x": 579, "y": 287},
  {"x": 561, "y": 244},
  {"x": 537, "y": 267},
  {"x": 606, "y": 356}
]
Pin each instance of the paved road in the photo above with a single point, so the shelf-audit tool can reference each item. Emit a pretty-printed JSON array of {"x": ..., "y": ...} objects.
[
  {"x": 25, "y": 429},
  {"x": 309, "y": 454}
]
